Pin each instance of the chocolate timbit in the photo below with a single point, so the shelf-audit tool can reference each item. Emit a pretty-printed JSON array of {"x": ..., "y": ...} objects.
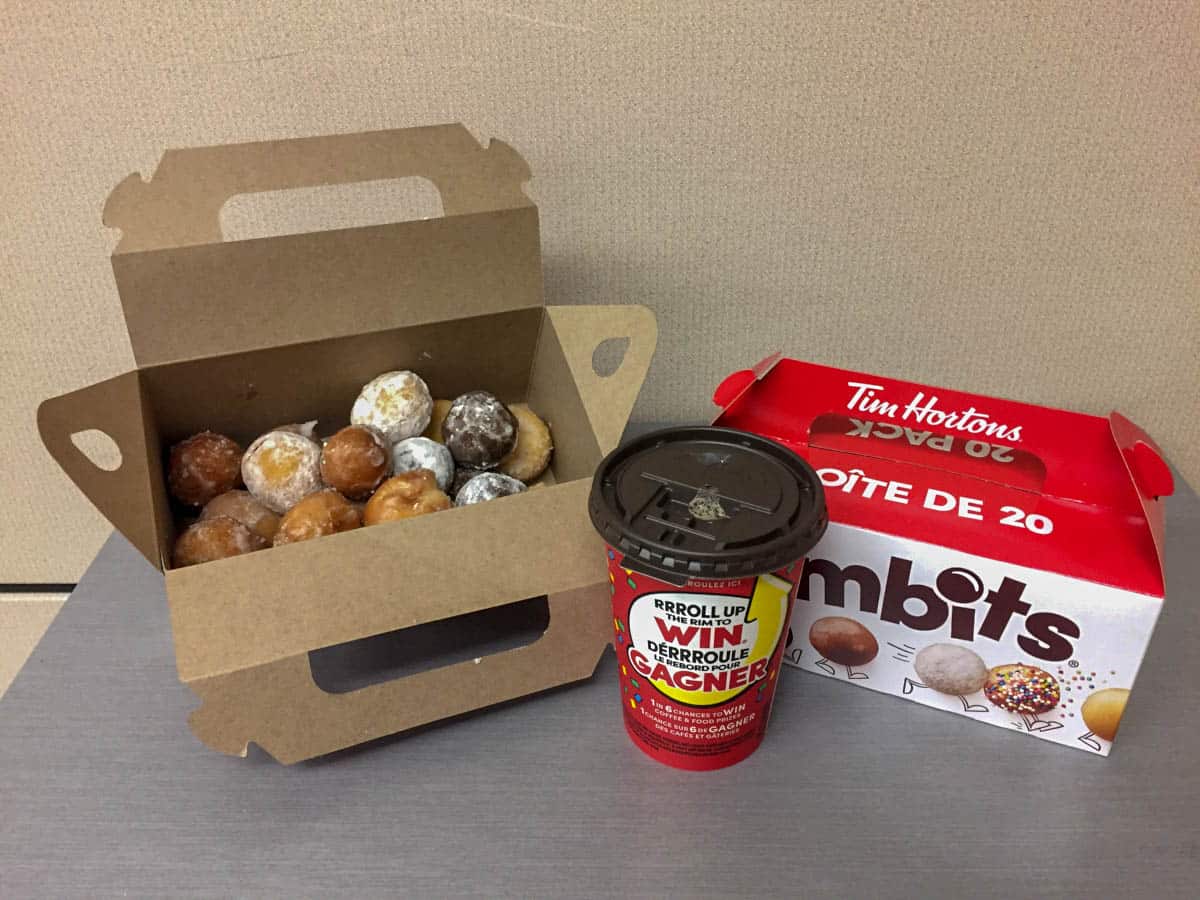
[
  {"x": 479, "y": 430},
  {"x": 218, "y": 537},
  {"x": 324, "y": 512},
  {"x": 203, "y": 466},
  {"x": 842, "y": 640},
  {"x": 404, "y": 496},
  {"x": 396, "y": 404},
  {"x": 488, "y": 486},
  {"x": 355, "y": 461}
]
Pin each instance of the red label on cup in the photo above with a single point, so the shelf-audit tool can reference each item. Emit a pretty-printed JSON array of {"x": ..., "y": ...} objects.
[{"x": 699, "y": 663}]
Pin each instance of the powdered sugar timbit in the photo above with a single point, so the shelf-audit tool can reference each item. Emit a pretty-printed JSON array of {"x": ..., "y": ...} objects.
[
  {"x": 488, "y": 486},
  {"x": 422, "y": 453},
  {"x": 397, "y": 404},
  {"x": 280, "y": 468},
  {"x": 951, "y": 669}
]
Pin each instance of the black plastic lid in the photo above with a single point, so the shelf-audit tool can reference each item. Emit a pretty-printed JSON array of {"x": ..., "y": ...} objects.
[{"x": 700, "y": 502}]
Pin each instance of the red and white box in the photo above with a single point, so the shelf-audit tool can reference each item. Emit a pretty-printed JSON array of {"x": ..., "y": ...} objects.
[{"x": 999, "y": 560}]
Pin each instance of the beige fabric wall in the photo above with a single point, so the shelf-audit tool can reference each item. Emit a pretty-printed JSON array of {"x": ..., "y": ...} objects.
[{"x": 999, "y": 197}]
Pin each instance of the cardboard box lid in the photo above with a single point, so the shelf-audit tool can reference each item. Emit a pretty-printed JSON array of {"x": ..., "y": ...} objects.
[
  {"x": 187, "y": 293},
  {"x": 1095, "y": 482}
]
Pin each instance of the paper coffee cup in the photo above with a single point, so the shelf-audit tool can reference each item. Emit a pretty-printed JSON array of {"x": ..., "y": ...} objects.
[{"x": 706, "y": 529}]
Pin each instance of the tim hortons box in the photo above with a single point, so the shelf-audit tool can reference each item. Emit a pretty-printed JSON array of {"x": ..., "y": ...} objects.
[{"x": 997, "y": 560}]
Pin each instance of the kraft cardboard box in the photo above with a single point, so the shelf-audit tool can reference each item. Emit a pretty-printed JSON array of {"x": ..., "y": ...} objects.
[
  {"x": 998, "y": 560},
  {"x": 241, "y": 336}
]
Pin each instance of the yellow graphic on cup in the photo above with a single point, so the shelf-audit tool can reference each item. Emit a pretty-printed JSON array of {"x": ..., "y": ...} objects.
[{"x": 767, "y": 608}]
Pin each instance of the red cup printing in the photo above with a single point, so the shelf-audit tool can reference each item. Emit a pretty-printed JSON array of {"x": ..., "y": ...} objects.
[{"x": 699, "y": 663}]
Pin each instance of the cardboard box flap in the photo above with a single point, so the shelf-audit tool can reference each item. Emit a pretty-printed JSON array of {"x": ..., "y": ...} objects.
[
  {"x": 608, "y": 398},
  {"x": 181, "y": 204},
  {"x": 731, "y": 389},
  {"x": 122, "y": 495},
  {"x": 187, "y": 294},
  {"x": 1149, "y": 473}
]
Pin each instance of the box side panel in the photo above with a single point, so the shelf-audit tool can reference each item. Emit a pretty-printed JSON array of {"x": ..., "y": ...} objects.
[
  {"x": 280, "y": 707},
  {"x": 199, "y": 301},
  {"x": 610, "y": 390},
  {"x": 254, "y": 609},
  {"x": 904, "y": 596}
]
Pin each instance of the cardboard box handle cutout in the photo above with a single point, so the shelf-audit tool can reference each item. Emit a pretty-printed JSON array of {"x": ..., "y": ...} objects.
[
  {"x": 264, "y": 704},
  {"x": 181, "y": 204}
]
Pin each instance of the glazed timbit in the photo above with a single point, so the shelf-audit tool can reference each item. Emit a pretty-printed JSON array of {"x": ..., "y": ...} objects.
[
  {"x": 320, "y": 513},
  {"x": 355, "y": 461},
  {"x": 203, "y": 466},
  {"x": 403, "y": 455},
  {"x": 406, "y": 496},
  {"x": 245, "y": 508},
  {"x": 218, "y": 537},
  {"x": 531, "y": 455}
]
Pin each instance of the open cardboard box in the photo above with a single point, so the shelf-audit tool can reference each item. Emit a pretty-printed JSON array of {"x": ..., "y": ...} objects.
[{"x": 242, "y": 336}]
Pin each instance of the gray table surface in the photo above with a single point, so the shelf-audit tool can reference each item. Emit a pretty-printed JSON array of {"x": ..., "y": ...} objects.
[{"x": 103, "y": 790}]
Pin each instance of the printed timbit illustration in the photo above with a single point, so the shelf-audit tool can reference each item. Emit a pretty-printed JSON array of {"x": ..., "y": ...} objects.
[
  {"x": 950, "y": 669},
  {"x": 1088, "y": 693},
  {"x": 1025, "y": 690},
  {"x": 1101, "y": 713},
  {"x": 843, "y": 641}
]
